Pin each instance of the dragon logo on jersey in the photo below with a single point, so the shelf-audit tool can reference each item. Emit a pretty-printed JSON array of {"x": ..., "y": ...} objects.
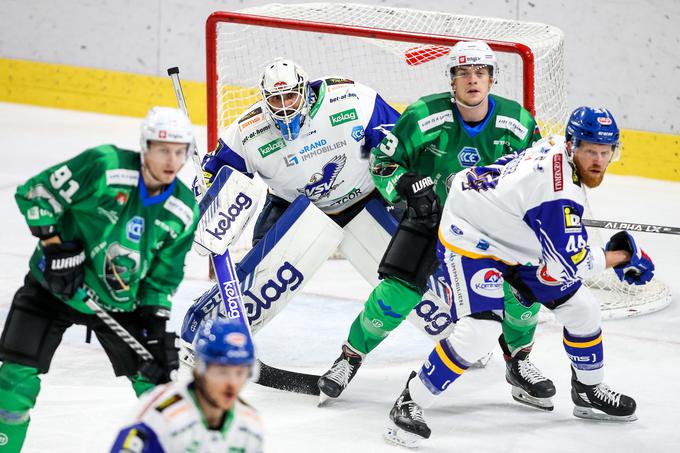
[
  {"x": 321, "y": 184},
  {"x": 468, "y": 156},
  {"x": 120, "y": 264}
]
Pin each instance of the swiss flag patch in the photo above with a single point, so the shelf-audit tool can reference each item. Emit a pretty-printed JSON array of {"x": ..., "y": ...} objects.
[
  {"x": 558, "y": 174},
  {"x": 162, "y": 134},
  {"x": 462, "y": 59}
]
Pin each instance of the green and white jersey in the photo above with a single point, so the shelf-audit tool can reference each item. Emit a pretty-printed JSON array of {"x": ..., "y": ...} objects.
[
  {"x": 135, "y": 244},
  {"x": 431, "y": 139}
]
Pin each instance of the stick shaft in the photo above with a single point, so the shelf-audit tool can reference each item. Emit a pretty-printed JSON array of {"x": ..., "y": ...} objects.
[{"x": 630, "y": 226}]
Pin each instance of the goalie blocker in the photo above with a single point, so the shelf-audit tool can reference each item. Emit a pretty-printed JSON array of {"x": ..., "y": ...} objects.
[{"x": 286, "y": 258}]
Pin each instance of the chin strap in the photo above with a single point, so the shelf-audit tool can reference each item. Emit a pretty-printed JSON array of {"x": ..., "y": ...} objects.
[{"x": 467, "y": 106}]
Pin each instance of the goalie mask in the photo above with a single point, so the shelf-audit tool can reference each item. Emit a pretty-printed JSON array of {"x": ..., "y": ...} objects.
[
  {"x": 165, "y": 124},
  {"x": 285, "y": 90},
  {"x": 473, "y": 55},
  {"x": 595, "y": 126}
]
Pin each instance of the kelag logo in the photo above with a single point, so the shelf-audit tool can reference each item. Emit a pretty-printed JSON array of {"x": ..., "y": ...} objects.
[
  {"x": 242, "y": 202},
  {"x": 271, "y": 147},
  {"x": 343, "y": 117},
  {"x": 468, "y": 156},
  {"x": 288, "y": 278}
]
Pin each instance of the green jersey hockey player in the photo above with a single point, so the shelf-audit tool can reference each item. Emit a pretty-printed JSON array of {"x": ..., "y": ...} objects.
[
  {"x": 436, "y": 137},
  {"x": 117, "y": 225}
]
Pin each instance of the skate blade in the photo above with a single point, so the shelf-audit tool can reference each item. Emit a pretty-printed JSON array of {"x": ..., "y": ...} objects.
[
  {"x": 521, "y": 396},
  {"x": 483, "y": 362},
  {"x": 323, "y": 399},
  {"x": 397, "y": 436},
  {"x": 595, "y": 414}
]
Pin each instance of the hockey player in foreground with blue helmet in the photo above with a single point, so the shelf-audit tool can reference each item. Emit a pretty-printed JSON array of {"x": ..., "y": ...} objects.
[
  {"x": 205, "y": 414},
  {"x": 526, "y": 210}
]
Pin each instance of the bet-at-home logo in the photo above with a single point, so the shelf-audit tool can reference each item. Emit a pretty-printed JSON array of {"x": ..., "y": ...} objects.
[
  {"x": 343, "y": 117},
  {"x": 271, "y": 147}
]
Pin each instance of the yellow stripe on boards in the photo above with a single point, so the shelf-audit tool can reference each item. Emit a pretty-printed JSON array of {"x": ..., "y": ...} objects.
[
  {"x": 583, "y": 345},
  {"x": 646, "y": 154},
  {"x": 452, "y": 366}
]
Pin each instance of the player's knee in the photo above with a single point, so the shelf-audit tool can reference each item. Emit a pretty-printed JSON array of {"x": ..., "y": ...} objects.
[
  {"x": 390, "y": 302},
  {"x": 19, "y": 388},
  {"x": 580, "y": 315},
  {"x": 472, "y": 338}
]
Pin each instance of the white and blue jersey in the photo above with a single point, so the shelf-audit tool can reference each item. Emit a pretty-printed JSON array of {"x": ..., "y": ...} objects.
[
  {"x": 518, "y": 219},
  {"x": 170, "y": 421},
  {"x": 328, "y": 161}
]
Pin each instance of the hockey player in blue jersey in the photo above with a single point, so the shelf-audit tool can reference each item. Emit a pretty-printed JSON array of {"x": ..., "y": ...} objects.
[
  {"x": 205, "y": 415},
  {"x": 519, "y": 220}
]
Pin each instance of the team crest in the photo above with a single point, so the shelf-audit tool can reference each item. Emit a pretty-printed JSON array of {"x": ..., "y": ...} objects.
[
  {"x": 120, "y": 265},
  {"x": 321, "y": 184}
]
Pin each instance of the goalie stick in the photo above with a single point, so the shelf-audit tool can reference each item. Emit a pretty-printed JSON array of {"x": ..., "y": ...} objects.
[
  {"x": 630, "y": 226},
  {"x": 268, "y": 376}
]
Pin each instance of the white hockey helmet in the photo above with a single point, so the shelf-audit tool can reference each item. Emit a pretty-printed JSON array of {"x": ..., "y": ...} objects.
[
  {"x": 166, "y": 124},
  {"x": 477, "y": 53},
  {"x": 281, "y": 78}
]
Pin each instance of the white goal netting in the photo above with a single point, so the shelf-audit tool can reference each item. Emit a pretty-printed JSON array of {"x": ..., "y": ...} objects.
[{"x": 402, "y": 54}]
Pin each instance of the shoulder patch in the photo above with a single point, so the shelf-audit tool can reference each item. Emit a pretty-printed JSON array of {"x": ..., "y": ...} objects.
[
  {"x": 434, "y": 120},
  {"x": 558, "y": 173},
  {"x": 513, "y": 125},
  {"x": 337, "y": 81},
  {"x": 181, "y": 210},
  {"x": 122, "y": 177},
  {"x": 163, "y": 405},
  {"x": 253, "y": 117}
]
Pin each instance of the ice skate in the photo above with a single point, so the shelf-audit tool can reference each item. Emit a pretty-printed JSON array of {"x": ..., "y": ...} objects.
[
  {"x": 407, "y": 426},
  {"x": 599, "y": 402},
  {"x": 335, "y": 380},
  {"x": 529, "y": 386}
]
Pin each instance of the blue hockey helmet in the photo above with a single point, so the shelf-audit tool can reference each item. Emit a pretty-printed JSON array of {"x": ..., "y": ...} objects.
[
  {"x": 595, "y": 126},
  {"x": 224, "y": 342},
  {"x": 282, "y": 80}
]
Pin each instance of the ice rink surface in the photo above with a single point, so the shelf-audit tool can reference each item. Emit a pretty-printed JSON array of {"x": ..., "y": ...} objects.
[{"x": 82, "y": 405}]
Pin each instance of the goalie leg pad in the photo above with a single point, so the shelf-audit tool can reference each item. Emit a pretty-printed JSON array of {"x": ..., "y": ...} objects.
[
  {"x": 367, "y": 236},
  {"x": 284, "y": 260},
  {"x": 202, "y": 308},
  {"x": 411, "y": 254}
]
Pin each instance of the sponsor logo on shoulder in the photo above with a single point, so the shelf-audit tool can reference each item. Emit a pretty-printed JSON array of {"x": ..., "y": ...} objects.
[
  {"x": 513, "y": 125},
  {"x": 250, "y": 118},
  {"x": 434, "y": 120},
  {"x": 342, "y": 97},
  {"x": 251, "y": 135},
  {"x": 455, "y": 230},
  {"x": 122, "y": 177},
  {"x": 338, "y": 81},
  {"x": 168, "y": 402},
  {"x": 468, "y": 156},
  {"x": 483, "y": 245},
  {"x": 343, "y": 117},
  {"x": 271, "y": 147},
  {"x": 135, "y": 228},
  {"x": 487, "y": 282},
  {"x": 558, "y": 173}
]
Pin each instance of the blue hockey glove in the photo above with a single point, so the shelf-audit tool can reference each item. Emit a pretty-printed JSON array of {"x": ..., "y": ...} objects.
[
  {"x": 640, "y": 269},
  {"x": 207, "y": 177}
]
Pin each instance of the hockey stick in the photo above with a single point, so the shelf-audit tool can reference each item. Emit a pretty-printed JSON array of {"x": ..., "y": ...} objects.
[
  {"x": 230, "y": 291},
  {"x": 630, "y": 226}
]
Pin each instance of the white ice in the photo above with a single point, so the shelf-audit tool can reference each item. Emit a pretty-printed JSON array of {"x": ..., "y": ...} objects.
[{"x": 82, "y": 404}]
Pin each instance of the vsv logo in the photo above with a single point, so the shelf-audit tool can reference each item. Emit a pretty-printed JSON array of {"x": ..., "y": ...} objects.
[
  {"x": 322, "y": 183},
  {"x": 241, "y": 203},
  {"x": 288, "y": 278}
]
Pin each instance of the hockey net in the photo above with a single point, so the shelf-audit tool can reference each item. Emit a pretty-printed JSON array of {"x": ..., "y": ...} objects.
[{"x": 399, "y": 52}]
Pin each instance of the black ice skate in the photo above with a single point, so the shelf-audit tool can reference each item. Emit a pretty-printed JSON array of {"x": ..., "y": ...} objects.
[
  {"x": 407, "y": 425},
  {"x": 335, "y": 380},
  {"x": 599, "y": 402},
  {"x": 529, "y": 386}
]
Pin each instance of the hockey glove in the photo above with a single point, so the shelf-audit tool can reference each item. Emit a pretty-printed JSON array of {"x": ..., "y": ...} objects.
[
  {"x": 422, "y": 203},
  {"x": 161, "y": 345},
  {"x": 640, "y": 269},
  {"x": 64, "y": 269}
]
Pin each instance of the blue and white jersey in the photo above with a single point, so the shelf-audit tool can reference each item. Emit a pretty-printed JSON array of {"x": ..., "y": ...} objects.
[
  {"x": 328, "y": 161},
  {"x": 524, "y": 210},
  {"x": 170, "y": 421}
]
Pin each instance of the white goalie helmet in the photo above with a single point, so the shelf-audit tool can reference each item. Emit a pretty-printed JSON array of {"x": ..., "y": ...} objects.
[
  {"x": 467, "y": 53},
  {"x": 166, "y": 124},
  {"x": 285, "y": 89}
]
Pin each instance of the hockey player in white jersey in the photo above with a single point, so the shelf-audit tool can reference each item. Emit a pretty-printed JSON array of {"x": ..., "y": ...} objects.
[
  {"x": 309, "y": 140},
  {"x": 519, "y": 220},
  {"x": 205, "y": 415}
]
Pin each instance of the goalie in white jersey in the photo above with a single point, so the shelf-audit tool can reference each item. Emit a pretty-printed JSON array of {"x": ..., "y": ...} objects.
[
  {"x": 519, "y": 220},
  {"x": 309, "y": 140},
  {"x": 205, "y": 415}
]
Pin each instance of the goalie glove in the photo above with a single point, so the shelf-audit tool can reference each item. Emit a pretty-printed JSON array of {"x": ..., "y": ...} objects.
[
  {"x": 196, "y": 188},
  {"x": 640, "y": 269}
]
